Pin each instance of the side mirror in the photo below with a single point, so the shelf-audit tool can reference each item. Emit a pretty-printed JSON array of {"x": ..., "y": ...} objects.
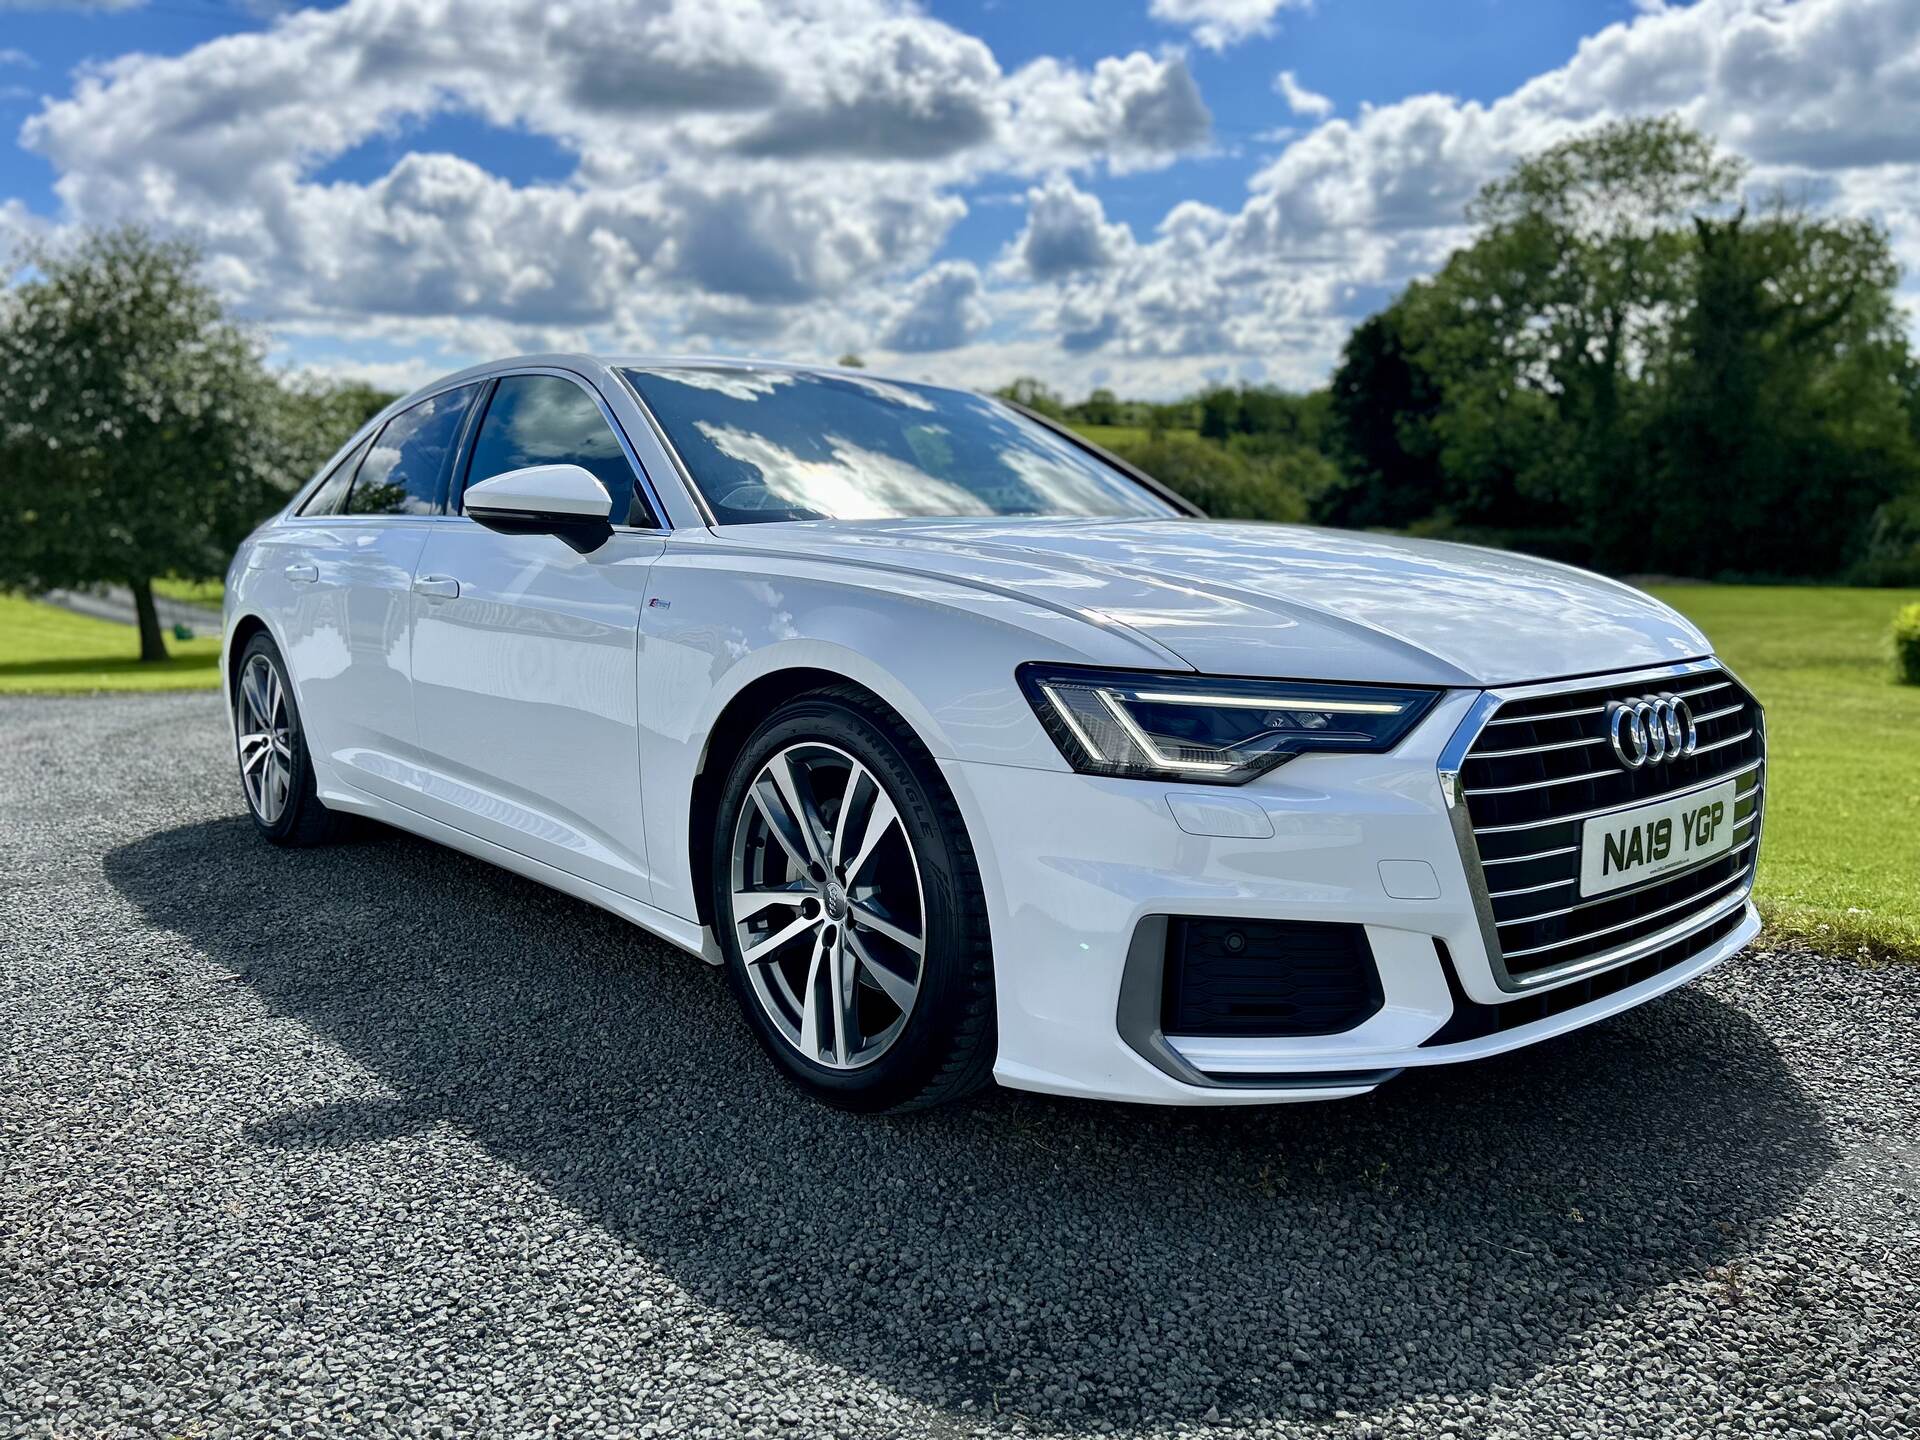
[
  {"x": 565, "y": 501},
  {"x": 543, "y": 495}
]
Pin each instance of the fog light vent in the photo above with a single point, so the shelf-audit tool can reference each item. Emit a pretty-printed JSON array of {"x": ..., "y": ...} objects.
[{"x": 1266, "y": 977}]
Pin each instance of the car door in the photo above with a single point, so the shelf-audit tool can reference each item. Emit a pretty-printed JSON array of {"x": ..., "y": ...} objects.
[
  {"x": 345, "y": 570},
  {"x": 525, "y": 650}
]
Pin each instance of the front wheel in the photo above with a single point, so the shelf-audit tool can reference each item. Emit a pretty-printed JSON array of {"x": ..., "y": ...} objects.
[{"x": 847, "y": 899}]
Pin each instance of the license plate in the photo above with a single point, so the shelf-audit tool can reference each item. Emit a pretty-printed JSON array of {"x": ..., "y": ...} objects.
[{"x": 1630, "y": 847}]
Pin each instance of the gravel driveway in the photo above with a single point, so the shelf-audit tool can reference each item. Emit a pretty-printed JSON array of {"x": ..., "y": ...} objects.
[{"x": 378, "y": 1139}]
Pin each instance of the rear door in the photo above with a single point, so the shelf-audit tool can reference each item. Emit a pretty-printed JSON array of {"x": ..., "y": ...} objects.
[
  {"x": 525, "y": 650},
  {"x": 346, "y": 566}
]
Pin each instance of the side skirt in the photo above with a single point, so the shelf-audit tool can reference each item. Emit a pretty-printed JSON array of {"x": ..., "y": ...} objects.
[{"x": 688, "y": 935}]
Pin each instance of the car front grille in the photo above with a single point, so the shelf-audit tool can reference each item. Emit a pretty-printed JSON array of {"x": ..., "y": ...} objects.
[{"x": 1542, "y": 764}]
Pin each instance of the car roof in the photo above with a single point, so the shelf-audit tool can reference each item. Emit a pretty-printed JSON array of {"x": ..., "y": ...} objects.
[{"x": 590, "y": 362}]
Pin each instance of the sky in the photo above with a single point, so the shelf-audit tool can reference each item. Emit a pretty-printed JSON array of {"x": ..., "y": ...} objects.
[{"x": 1149, "y": 195}]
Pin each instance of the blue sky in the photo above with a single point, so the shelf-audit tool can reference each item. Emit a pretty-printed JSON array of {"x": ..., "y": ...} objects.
[{"x": 1110, "y": 191}]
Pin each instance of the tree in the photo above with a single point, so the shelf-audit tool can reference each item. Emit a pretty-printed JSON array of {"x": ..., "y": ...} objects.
[
  {"x": 1783, "y": 404},
  {"x": 1035, "y": 395},
  {"x": 140, "y": 434},
  {"x": 1219, "y": 412},
  {"x": 1542, "y": 328},
  {"x": 1102, "y": 407},
  {"x": 1383, "y": 402},
  {"x": 851, "y": 361},
  {"x": 1225, "y": 483},
  {"x": 314, "y": 418}
]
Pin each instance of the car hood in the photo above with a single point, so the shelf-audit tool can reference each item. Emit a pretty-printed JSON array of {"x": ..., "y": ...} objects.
[{"x": 1279, "y": 600}]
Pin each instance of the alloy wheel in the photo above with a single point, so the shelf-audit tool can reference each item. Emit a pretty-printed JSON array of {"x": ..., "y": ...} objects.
[
  {"x": 263, "y": 727},
  {"x": 827, "y": 905}
]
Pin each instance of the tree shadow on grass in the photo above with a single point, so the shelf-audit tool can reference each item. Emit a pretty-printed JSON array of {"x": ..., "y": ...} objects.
[
  {"x": 111, "y": 668},
  {"x": 1071, "y": 1262}
]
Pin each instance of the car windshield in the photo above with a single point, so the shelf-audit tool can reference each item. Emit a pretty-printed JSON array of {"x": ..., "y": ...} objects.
[{"x": 767, "y": 445}]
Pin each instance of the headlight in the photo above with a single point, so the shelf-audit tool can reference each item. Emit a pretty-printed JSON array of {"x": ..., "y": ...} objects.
[{"x": 1218, "y": 732}]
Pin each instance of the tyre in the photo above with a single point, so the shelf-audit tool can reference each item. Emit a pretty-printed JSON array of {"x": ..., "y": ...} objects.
[
  {"x": 276, "y": 772},
  {"x": 847, "y": 900}
]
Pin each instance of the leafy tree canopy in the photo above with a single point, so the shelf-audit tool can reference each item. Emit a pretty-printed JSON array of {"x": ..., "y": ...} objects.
[{"x": 140, "y": 433}]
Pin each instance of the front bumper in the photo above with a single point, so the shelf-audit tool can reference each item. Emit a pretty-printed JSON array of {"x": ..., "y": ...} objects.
[{"x": 1077, "y": 869}]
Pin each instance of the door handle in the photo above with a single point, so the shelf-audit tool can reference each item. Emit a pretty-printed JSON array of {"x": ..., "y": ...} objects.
[
  {"x": 303, "y": 574},
  {"x": 444, "y": 587}
]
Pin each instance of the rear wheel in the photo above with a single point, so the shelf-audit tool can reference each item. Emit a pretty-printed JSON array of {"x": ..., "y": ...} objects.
[
  {"x": 276, "y": 771},
  {"x": 848, "y": 902}
]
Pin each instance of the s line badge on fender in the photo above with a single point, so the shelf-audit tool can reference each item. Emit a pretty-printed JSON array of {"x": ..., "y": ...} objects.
[{"x": 972, "y": 752}]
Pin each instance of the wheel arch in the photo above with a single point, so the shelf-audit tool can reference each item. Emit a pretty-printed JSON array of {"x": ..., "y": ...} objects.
[
  {"x": 735, "y": 723},
  {"x": 244, "y": 629}
]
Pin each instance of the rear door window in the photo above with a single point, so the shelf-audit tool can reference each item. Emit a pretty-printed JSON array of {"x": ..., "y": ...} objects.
[{"x": 402, "y": 473}]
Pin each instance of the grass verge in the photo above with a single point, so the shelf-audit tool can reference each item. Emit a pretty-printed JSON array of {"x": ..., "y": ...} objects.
[
  {"x": 47, "y": 650},
  {"x": 1840, "y": 863},
  {"x": 208, "y": 593}
]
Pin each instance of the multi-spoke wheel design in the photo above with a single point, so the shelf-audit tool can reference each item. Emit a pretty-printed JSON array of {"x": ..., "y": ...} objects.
[
  {"x": 263, "y": 726},
  {"x": 276, "y": 768},
  {"x": 827, "y": 905}
]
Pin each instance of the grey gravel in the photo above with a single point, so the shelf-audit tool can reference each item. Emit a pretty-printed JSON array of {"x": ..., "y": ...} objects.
[{"x": 379, "y": 1139}]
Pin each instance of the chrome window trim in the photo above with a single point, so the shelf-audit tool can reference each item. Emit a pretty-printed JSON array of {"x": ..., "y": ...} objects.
[
  {"x": 1453, "y": 757},
  {"x": 372, "y": 427},
  {"x": 624, "y": 373}
]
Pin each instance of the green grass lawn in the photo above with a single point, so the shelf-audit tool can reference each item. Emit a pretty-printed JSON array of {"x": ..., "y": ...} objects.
[
  {"x": 1841, "y": 857},
  {"x": 1108, "y": 436},
  {"x": 45, "y": 649},
  {"x": 192, "y": 592}
]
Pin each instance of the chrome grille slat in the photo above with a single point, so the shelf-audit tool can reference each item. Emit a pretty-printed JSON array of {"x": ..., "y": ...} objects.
[
  {"x": 1555, "y": 715},
  {"x": 1740, "y": 824},
  {"x": 1722, "y": 744},
  {"x": 1586, "y": 776},
  {"x": 1511, "y": 788},
  {"x": 1625, "y": 893},
  {"x": 1541, "y": 749},
  {"x": 1747, "y": 769},
  {"x": 1728, "y": 884},
  {"x": 1594, "y": 709},
  {"x": 1534, "y": 889},
  {"x": 1537, "y": 855}
]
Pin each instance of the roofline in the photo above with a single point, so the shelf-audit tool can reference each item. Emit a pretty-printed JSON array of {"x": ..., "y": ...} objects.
[{"x": 596, "y": 363}]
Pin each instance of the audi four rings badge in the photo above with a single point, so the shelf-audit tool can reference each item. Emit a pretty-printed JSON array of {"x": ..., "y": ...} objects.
[{"x": 1650, "y": 730}]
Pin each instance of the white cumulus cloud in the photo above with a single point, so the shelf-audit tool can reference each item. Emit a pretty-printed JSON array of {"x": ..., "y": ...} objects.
[
  {"x": 1066, "y": 233},
  {"x": 788, "y": 176},
  {"x": 1300, "y": 100},
  {"x": 1217, "y": 24},
  {"x": 942, "y": 310}
]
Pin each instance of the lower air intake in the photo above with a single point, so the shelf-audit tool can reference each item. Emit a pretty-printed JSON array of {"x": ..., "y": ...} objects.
[{"x": 1267, "y": 977}]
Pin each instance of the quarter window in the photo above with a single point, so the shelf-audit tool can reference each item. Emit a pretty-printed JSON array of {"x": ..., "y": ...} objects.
[
  {"x": 401, "y": 474},
  {"x": 330, "y": 497},
  {"x": 546, "y": 420}
]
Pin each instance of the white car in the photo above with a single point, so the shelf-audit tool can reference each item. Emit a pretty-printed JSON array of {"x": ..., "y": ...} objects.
[{"x": 970, "y": 751}]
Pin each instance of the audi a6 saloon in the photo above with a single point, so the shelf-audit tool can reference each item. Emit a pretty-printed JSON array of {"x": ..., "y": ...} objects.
[{"x": 969, "y": 751}]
